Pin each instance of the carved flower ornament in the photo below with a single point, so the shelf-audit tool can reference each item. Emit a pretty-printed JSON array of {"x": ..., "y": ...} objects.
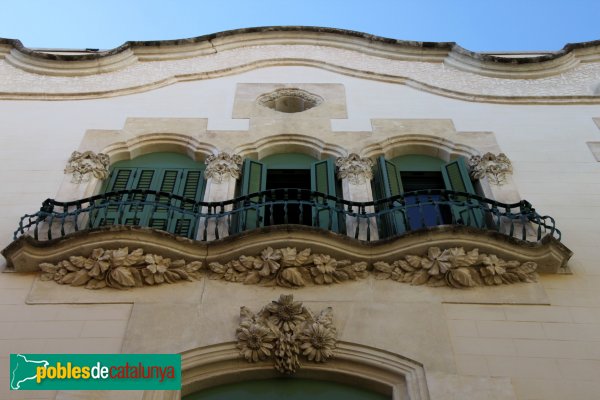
[
  {"x": 222, "y": 166},
  {"x": 288, "y": 267},
  {"x": 82, "y": 165},
  {"x": 285, "y": 330},
  {"x": 495, "y": 167},
  {"x": 119, "y": 269}
]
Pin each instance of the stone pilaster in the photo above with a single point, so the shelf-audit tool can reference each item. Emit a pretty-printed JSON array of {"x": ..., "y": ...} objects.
[
  {"x": 356, "y": 174},
  {"x": 222, "y": 172}
]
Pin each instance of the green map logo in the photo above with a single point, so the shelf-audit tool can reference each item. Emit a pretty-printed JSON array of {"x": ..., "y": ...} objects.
[
  {"x": 23, "y": 370},
  {"x": 95, "y": 372}
]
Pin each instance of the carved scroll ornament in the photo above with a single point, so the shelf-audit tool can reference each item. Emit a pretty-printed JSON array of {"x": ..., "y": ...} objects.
[
  {"x": 287, "y": 267},
  {"x": 223, "y": 166},
  {"x": 285, "y": 331},
  {"x": 82, "y": 165},
  {"x": 494, "y": 167},
  {"x": 354, "y": 168}
]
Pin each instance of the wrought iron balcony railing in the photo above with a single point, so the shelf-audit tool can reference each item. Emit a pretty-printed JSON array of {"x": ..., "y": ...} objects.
[{"x": 207, "y": 221}]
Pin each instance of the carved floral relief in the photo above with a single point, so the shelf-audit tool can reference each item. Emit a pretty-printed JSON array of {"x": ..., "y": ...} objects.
[
  {"x": 354, "y": 168},
  {"x": 288, "y": 267},
  {"x": 495, "y": 167},
  {"x": 119, "y": 269},
  {"x": 83, "y": 165},
  {"x": 223, "y": 166},
  {"x": 286, "y": 331},
  {"x": 456, "y": 268}
]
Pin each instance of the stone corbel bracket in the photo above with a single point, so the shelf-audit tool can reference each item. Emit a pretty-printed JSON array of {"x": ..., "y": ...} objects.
[{"x": 26, "y": 254}]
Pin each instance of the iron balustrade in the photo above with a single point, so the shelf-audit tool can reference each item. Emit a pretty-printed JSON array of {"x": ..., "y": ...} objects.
[{"x": 206, "y": 221}]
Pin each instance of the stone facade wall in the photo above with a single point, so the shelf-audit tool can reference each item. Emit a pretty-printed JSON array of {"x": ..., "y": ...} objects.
[{"x": 548, "y": 350}]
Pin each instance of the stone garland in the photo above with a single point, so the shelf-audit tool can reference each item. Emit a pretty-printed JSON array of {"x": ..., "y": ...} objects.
[
  {"x": 287, "y": 267},
  {"x": 495, "y": 167},
  {"x": 82, "y": 165},
  {"x": 222, "y": 166},
  {"x": 285, "y": 331},
  {"x": 119, "y": 269},
  {"x": 354, "y": 168},
  {"x": 456, "y": 268}
]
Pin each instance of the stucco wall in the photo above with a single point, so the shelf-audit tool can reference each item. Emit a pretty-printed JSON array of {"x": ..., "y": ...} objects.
[{"x": 545, "y": 351}]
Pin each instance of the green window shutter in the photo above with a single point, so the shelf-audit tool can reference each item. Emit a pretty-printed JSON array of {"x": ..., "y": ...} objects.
[
  {"x": 157, "y": 216},
  {"x": 120, "y": 179},
  {"x": 456, "y": 177},
  {"x": 387, "y": 184},
  {"x": 190, "y": 186},
  {"x": 323, "y": 181},
  {"x": 254, "y": 179}
]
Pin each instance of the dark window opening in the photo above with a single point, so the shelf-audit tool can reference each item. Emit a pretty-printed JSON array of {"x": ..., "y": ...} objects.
[
  {"x": 281, "y": 213},
  {"x": 421, "y": 212}
]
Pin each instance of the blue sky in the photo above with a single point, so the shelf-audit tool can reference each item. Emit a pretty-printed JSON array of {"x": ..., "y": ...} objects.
[{"x": 478, "y": 25}]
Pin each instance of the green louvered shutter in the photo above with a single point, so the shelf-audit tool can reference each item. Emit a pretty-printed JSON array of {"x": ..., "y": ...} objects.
[
  {"x": 138, "y": 214},
  {"x": 456, "y": 177},
  {"x": 323, "y": 180},
  {"x": 158, "y": 215},
  {"x": 120, "y": 179},
  {"x": 190, "y": 186},
  {"x": 387, "y": 184},
  {"x": 254, "y": 179}
]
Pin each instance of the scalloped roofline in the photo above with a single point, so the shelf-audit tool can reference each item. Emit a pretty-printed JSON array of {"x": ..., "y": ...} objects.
[
  {"x": 447, "y": 46},
  {"x": 439, "y": 67}
]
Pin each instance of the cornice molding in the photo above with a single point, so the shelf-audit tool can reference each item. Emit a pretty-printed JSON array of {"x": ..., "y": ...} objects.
[{"x": 422, "y": 65}]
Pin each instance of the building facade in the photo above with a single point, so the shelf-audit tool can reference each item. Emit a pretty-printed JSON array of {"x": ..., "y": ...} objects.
[{"x": 433, "y": 212}]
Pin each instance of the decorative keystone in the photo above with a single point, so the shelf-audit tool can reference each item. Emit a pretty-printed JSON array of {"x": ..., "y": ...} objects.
[{"x": 285, "y": 331}]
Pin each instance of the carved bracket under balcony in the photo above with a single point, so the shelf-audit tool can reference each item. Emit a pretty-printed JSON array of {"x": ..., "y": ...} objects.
[
  {"x": 356, "y": 169},
  {"x": 285, "y": 331},
  {"x": 86, "y": 164},
  {"x": 494, "y": 167},
  {"x": 223, "y": 166}
]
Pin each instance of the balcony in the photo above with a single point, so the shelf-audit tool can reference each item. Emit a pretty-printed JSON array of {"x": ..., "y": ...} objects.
[
  {"x": 179, "y": 227},
  {"x": 376, "y": 220}
]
